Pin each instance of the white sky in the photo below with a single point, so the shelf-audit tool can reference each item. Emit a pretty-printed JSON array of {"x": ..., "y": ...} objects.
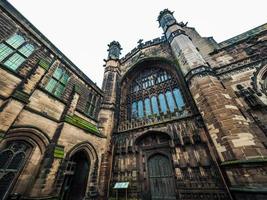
[{"x": 81, "y": 29}]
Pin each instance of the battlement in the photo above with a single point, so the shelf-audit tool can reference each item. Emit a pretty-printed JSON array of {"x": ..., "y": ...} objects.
[{"x": 142, "y": 45}]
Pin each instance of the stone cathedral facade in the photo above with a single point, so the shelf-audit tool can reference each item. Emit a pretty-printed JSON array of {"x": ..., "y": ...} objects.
[{"x": 178, "y": 117}]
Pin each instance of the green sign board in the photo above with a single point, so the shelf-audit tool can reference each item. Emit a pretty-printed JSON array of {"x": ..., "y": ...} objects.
[{"x": 121, "y": 185}]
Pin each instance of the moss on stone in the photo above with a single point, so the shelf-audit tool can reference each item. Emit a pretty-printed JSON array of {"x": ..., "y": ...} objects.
[
  {"x": 44, "y": 64},
  {"x": 59, "y": 152},
  {"x": 83, "y": 124},
  {"x": 249, "y": 161}
]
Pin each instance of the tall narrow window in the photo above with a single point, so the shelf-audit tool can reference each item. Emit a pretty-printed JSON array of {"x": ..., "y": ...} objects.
[
  {"x": 155, "y": 107},
  {"x": 92, "y": 108},
  {"x": 58, "y": 82},
  {"x": 134, "y": 110},
  {"x": 140, "y": 109},
  {"x": 147, "y": 106},
  {"x": 88, "y": 104},
  {"x": 170, "y": 101},
  {"x": 14, "y": 51},
  {"x": 178, "y": 98},
  {"x": 162, "y": 103}
]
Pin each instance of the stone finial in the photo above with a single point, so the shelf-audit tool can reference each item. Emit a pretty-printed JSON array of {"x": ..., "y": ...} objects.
[
  {"x": 166, "y": 18},
  {"x": 163, "y": 12},
  {"x": 114, "y": 50}
]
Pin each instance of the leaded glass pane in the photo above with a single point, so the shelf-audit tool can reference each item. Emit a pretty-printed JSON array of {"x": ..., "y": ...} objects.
[
  {"x": 15, "y": 41},
  {"x": 170, "y": 101},
  {"x": 155, "y": 107},
  {"x": 89, "y": 97},
  {"x": 27, "y": 50},
  {"x": 134, "y": 109},
  {"x": 59, "y": 90},
  {"x": 17, "y": 161},
  {"x": 147, "y": 106},
  {"x": 5, "y": 157},
  {"x": 51, "y": 85},
  {"x": 58, "y": 73},
  {"x": 87, "y": 108},
  {"x": 162, "y": 103},
  {"x": 178, "y": 98},
  {"x": 4, "y": 51},
  {"x": 64, "y": 78},
  {"x": 140, "y": 109},
  {"x": 14, "y": 61}
]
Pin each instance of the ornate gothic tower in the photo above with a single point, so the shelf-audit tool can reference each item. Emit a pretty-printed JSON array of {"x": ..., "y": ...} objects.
[
  {"x": 237, "y": 146},
  {"x": 108, "y": 109}
]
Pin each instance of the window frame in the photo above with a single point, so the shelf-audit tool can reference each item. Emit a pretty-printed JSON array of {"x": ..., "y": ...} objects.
[
  {"x": 16, "y": 50},
  {"x": 58, "y": 82}
]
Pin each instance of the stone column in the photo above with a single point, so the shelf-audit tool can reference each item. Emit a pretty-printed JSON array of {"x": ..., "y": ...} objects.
[
  {"x": 236, "y": 145},
  {"x": 107, "y": 113}
]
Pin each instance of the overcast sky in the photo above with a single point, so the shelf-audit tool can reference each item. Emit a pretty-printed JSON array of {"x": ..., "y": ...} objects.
[{"x": 81, "y": 29}]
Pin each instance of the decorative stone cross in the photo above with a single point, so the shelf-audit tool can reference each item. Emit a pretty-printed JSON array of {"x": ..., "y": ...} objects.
[{"x": 140, "y": 42}]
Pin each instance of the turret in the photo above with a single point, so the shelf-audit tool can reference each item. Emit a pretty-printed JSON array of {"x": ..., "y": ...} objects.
[
  {"x": 107, "y": 112},
  {"x": 236, "y": 144},
  {"x": 183, "y": 48}
]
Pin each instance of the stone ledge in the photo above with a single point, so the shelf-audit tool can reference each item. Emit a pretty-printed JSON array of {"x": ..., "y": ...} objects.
[
  {"x": 83, "y": 124},
  {"x": 248, "y": 189},
  {"x": 21, "y": 96},
  {"x": 249, "y": 161}
]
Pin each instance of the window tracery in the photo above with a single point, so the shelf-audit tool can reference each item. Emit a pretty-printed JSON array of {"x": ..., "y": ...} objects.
[
  {"x": 12, "y": 159},
  {"x": 152, "y": 93}
]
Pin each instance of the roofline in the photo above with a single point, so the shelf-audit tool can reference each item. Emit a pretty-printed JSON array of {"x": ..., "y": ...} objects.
[
  {"x": 243, "y": 36},
  {"x": 18, "y": 17}
]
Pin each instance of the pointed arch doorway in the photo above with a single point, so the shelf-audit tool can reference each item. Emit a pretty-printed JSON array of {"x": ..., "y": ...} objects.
[
  {"x": 156, "y": 178},
  {"x": 161, "y": 181},
  {"x": 76, "y": 178}
]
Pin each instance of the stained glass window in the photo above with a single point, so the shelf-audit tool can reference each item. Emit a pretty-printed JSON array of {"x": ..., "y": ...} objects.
[
  {"x": 155, "y": 107},
  {"x": 145, "y": 86},
  {"x": 14, "y": 51},
  {"x": 178, "y": 98},
  {"x": 134, "y": 110},
  {"x": 57, "y": 82},
  {"x": 140, "y": 109},
  {"x": 170, "y": 101},
  {"x": 147, "y": 106},
  {"x": 162, "y": 103}
]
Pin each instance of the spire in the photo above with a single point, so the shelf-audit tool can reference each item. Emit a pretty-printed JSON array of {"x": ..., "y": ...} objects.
[{"x": 114, "y": 50}]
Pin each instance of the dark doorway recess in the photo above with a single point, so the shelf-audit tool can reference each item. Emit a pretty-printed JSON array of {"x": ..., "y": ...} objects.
[{"x": 75, "y": 182}]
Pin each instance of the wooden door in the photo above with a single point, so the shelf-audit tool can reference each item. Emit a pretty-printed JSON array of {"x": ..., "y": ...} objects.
[{"x": 161, "y": 178}]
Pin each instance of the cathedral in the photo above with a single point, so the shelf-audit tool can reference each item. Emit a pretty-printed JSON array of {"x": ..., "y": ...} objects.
[{"x": 180, "y": 117}]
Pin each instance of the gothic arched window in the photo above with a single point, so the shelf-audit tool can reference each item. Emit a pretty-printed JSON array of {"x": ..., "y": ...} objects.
[
  {"x": 153, "y": 92},
  {"x": 12, "y": 159}
]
